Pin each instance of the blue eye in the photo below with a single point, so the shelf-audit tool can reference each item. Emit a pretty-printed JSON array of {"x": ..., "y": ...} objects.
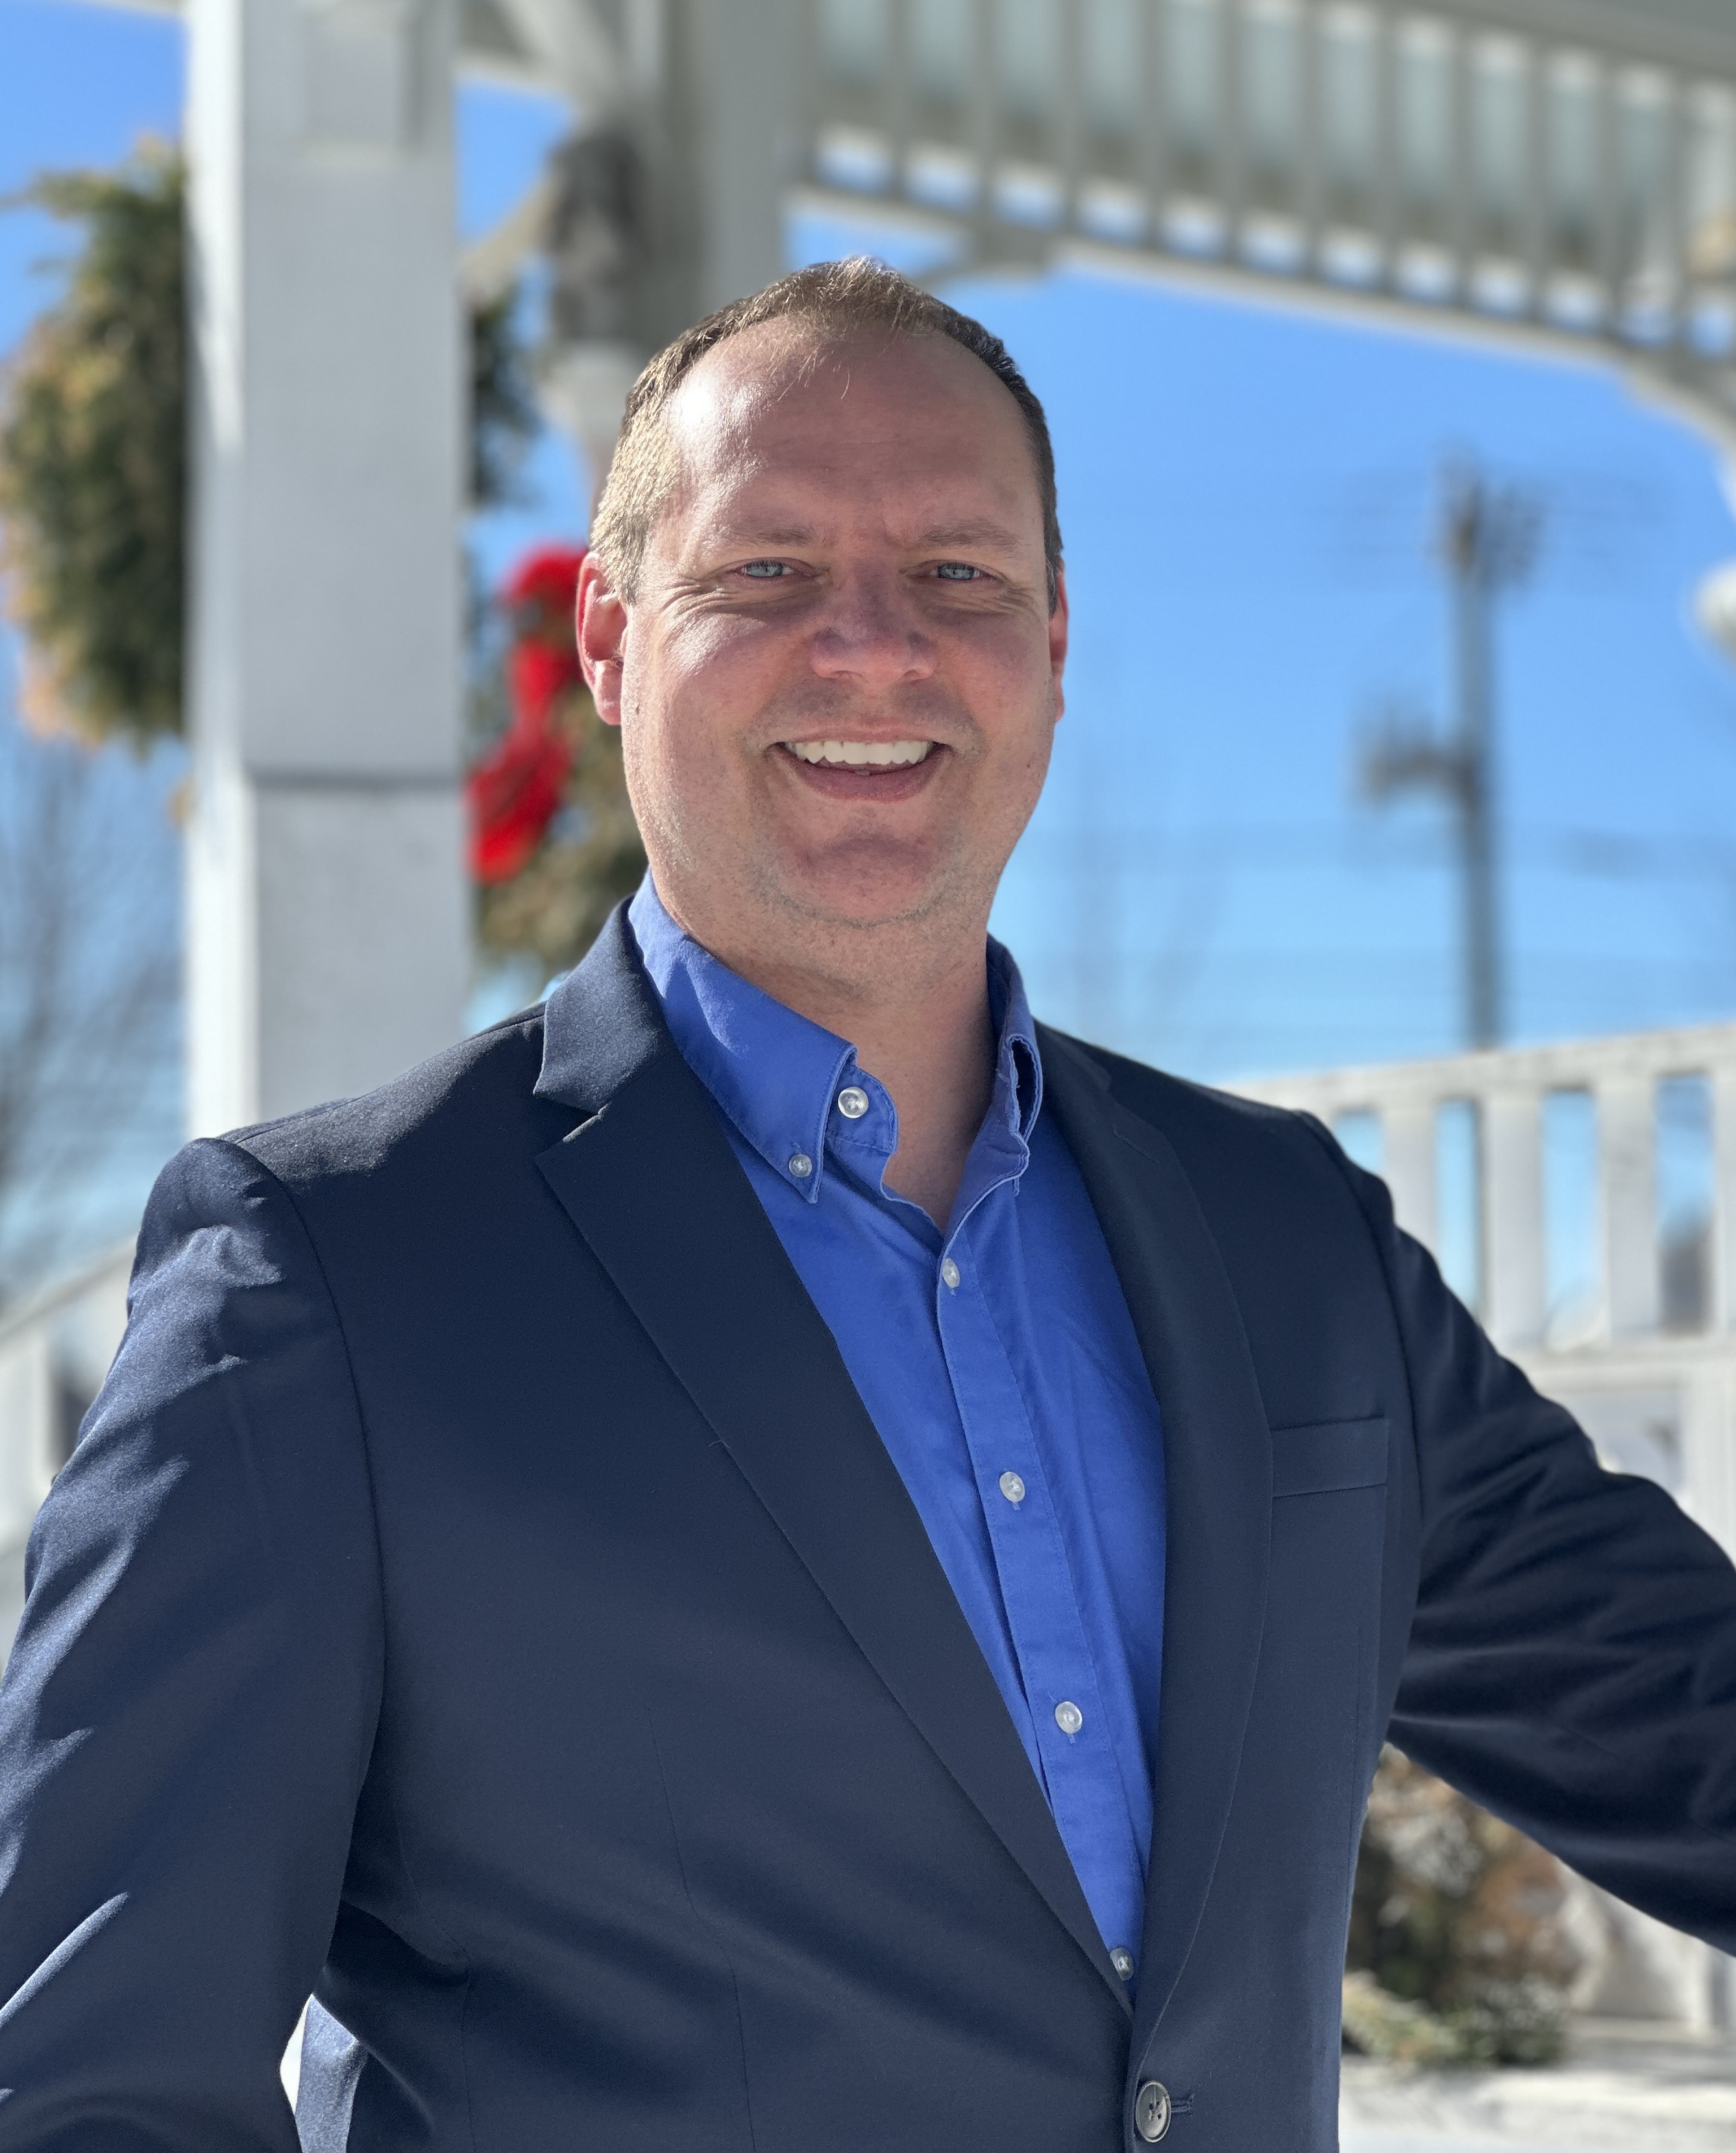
[
  {"x": 764, "y": 572},
  {"x": 956, "y": 572}
]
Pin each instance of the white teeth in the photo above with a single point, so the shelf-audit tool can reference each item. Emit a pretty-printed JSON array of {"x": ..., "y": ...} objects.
[{"x": 878, "y": 752}]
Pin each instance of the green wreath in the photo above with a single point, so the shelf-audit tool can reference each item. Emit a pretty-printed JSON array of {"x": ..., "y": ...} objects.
[
  {"x": 93, "y": 461},
  {"x": 93, "y": 455}
]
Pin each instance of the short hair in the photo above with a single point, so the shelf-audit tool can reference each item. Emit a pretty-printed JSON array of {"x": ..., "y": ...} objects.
[{"x": 836, "y": 298}]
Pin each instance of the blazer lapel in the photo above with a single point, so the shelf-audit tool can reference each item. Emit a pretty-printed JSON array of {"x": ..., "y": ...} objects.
[
  {"x": 1218, "y": 1469},
  {"x": 650, "y": 1182}
]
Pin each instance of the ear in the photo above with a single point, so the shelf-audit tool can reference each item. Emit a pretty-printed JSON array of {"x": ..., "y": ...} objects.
[
  {"x": 1058, "y": 637},
  {"x": 600, "y": 625}
]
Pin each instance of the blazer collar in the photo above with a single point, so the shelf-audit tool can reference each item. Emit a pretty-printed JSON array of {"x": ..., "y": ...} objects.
[
  {"x": 650, "y": 1180},
  {"x": 602, "y": 1025},
  {"x": 1218, "y": 1469}
]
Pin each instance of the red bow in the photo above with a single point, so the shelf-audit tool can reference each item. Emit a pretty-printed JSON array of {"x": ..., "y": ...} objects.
[{"x": 515, "y": 792}]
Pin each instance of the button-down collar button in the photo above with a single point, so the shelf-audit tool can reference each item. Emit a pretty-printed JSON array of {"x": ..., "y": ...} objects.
[
  {"x": 853, "y": 1102},
  {"x": 949, "y": 1272},
  {"x": 801, "y": 1165},
  {"x": 1151, "y": 2110},
  {"x": 1012, "y": 1487},
  {"x": 1122, "y": 1961},
  {"x": 1068, "y": 1717}
]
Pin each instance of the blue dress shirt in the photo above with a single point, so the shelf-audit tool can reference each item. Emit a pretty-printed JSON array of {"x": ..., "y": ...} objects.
[{"x": 999, "y": 1364}]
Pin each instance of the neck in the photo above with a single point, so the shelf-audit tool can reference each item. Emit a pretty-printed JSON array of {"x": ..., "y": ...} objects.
[{"x": 918, "y": 1016}]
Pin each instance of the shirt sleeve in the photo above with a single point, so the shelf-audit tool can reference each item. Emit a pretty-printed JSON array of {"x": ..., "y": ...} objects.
[
  {"x": 190, "y": 1707},
  {"x": 1572, "y": 1661}
]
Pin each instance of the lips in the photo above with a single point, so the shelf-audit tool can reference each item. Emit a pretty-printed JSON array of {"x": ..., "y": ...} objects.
[{"x": 859, "y": 755}]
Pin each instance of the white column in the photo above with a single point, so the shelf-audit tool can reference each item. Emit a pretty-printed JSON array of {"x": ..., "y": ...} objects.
[
  {"x": 328, "y": 926},
  {"x": 727, "y": 140},
  {"x": 1512, "y": 1215},
  {"x": 1627, "y": 1140}
]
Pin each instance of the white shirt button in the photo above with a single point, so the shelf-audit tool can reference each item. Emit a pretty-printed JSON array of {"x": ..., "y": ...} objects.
[
  {"x": 1012, "y": 1487},
  {"x": 801, "y": 1165},
  {"x": 1068, "y": 1717},
  {"x": 949, "y": 1272},
  {"x": 853, "y": 1102},
  {"x": 1123, "y": 1961}
]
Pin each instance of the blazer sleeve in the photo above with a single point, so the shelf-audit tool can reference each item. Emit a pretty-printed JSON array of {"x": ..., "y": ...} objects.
[
  {"x": 188, "y": 1713},
  {"x": 1572, "y": 1661}
]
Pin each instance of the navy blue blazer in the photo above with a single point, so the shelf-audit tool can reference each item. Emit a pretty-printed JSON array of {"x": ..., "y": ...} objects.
[{"x": 481, "y": 1598}]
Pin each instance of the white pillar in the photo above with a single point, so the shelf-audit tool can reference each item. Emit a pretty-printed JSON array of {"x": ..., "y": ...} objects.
[
  {"x": 328, "y": 926},
  {"x": 1626, "y": 1141},
  {"x": 1513, "y": 1200},
  {"x": 735, "y": 79},
  {"x": 706, "y": 96}
]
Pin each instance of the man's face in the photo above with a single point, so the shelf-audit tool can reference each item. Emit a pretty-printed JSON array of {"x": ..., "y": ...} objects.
[{"x": 839, "y": 677}]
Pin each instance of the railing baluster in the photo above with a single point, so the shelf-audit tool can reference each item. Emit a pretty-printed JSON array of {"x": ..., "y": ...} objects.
[
  {"x": 985, "y": 118},
  {"x": 1462, "y": 217},
  {"x": 1311, "y": 133},
  {"x": 1513, "y": 1215},
  {"x": 1069, "y": 117},
  {"x": 898, "y": 94},
  {"x": 1154, "y": 137},
  {"x": 1723, "y": 1217},
  {"x": 1611, "y": 249},
  {"x": 806, "y": 116},
  {"x": 1626, "y": 1134},
  {"x": 1407, "y": 1132},
  {"x": 1678, "y": 210},
  {"x": 1388, "y": 224},
  {"x": 1537, "y": 168},
  {"x": 1232, "y": 87}
]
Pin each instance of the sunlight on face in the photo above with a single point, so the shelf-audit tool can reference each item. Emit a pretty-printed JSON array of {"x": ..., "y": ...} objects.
[{"x": 840, "y": 673}]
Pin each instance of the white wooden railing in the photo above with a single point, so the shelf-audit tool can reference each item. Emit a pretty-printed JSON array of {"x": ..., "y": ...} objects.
[{"x": 1582, "y": 1197}]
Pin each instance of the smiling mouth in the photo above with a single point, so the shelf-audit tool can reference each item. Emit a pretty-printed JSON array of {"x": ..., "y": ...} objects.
[{"x": 854, "y": 755}]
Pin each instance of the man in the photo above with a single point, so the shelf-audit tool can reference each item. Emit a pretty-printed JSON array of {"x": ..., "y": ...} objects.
[{"x": 771, "y": 1555}]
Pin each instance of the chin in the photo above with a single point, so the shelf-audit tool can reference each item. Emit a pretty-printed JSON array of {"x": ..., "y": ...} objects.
[{"x": 861, "y": 892}]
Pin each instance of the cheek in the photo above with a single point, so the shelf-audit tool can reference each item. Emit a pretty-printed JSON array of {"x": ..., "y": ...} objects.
[
  {"x": 703, "y": 678},
  {"x": 1007, "y": 664},
  {"x": 683, "y": 713}
]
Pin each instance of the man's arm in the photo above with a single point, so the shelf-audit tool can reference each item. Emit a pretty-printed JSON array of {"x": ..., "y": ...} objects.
[
  {"x": 1572, "y": 1664},
  {"x": 190, "y": 1703}
]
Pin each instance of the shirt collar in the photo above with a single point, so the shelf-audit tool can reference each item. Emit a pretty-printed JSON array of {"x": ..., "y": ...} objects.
[{"x": 778, "y": 1076}]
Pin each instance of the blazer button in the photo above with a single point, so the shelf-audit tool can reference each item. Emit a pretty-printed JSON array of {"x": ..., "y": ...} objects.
[{"x": 1151, "y": 2110}]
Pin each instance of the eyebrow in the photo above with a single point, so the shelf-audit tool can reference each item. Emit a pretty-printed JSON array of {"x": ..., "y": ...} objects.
[
  {"x": 983, "y": 533},
  {"x": 941, "y": 536}
]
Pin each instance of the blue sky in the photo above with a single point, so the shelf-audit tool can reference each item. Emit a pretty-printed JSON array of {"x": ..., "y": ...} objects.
[{"x": 1245, "y": 497}]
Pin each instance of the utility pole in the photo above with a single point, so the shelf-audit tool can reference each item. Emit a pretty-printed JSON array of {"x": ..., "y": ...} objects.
[{"x": 1486, "y": 540}]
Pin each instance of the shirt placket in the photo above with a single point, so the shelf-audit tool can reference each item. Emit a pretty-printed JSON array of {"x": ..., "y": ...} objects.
[{"x": 1080, "y": 1772}]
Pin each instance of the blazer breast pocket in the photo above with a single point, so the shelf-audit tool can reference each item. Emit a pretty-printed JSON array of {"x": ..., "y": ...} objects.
[{"x": 1329, "y": 1456}]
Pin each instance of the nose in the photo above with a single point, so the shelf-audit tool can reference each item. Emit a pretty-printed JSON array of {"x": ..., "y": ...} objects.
[{"x": 870, "y": 632}]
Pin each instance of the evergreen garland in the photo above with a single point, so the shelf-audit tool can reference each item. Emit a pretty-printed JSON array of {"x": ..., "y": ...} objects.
[
  {"x": 93, "y": 454},
  {"x": 93, "y": 460}
]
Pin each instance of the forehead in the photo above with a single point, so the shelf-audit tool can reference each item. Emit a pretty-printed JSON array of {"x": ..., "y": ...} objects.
[{"x": 862, "y": 416}]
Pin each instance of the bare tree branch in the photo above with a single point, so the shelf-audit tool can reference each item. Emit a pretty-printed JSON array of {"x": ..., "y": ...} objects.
[{"x": 89, "y": 1001}]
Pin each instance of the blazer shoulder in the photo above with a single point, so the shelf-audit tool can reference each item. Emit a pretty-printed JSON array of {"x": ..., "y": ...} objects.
[
  {"x": 460, "y": 1109},
  {"x": 1181, "y": 1108},
  {"x": 1260, "y": 1171}
]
